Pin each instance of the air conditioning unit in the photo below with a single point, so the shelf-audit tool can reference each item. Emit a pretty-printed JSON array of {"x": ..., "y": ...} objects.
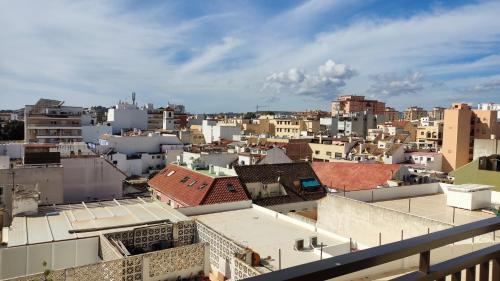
[
  {"x": 299, "y": 245},
  {"x": 313, "y": 241}
]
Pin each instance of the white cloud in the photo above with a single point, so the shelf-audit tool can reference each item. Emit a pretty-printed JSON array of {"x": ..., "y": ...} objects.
[
  {"x": 390, "y": 85},
  {"x": 324, "y": 84},
  {"x": 488, "y": 86},
  {"x": 211, "y": 55},
  {"x": 109, "y": 50}
]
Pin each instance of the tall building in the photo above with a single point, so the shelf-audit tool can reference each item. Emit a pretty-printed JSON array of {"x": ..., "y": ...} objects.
[
  {"x": 461, "y": 126},
  {"x": 49, "y": 121},
  {"x": 390, "y": 114},
  {"x": 437, "y": 113},
  {"x": 414, "y": 113},
  {"x": 351, "y": 104},
  {"x": 490, "y": 106}
]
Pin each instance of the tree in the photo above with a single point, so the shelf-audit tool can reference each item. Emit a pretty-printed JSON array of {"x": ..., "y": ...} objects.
[
  {"x": 13, "y": 130},
  {"x": 249, "y": 115}
]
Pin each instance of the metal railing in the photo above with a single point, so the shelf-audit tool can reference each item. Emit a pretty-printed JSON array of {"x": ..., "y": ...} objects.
[{"x": 422, "y": 245}]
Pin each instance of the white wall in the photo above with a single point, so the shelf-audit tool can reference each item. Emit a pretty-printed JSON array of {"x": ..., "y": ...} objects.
[
  {"x": 389, "y": 193},
  {"x": 140, "y": 144},
  {"x": 128, "y": 166},
  {"x": 93, "y": 133},
  {"x": 213, "y": 132},
  {"x": 23, "y": 260},
  {"x": 91, "y": 178},
  {"x": 215, "y": 208},
  {"x": 216, "y": 159},
  {"x": 364, "y": 222},
  {"x": 127, "y": 118}
]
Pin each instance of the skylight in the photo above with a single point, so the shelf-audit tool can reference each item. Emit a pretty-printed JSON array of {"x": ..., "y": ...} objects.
[
  {"x": 193, "y": 183},
  {"x": 230, "y": 187},
  {"x": 202, "y": 186},
  {"x": 171, "y": 173},
  {"x": 184, "y": 179}
]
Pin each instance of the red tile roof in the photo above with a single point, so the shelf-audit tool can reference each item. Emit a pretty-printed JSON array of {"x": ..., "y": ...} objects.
[
  {"x": 354, "y": 176},
  {"x": 192, "y": 188}
]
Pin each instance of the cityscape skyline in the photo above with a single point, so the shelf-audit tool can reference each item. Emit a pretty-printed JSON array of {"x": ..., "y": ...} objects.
[{"x": 292, "y": 55}]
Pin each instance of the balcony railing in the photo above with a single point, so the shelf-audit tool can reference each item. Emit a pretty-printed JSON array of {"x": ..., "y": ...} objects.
[{"x": 422, "y": 245}]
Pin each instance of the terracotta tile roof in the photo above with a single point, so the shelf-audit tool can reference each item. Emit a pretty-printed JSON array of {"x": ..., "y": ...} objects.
[
  {"x": 298, "y": 151},
  {"x": 289, "y": 175},
  {"x": 192, "y": 188},
  {"x": 354, "y": 176}
]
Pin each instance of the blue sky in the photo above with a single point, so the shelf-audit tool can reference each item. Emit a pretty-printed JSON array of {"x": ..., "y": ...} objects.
[{"x": 232, "y": 55}]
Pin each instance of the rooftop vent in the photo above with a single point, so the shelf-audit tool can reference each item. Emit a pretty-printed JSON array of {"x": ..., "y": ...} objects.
[
  {"x": 299, "y": 245},
  {"x": 313, "y": 241}
]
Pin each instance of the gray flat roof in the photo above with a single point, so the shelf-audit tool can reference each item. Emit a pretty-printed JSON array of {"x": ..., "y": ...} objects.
[
  {"x": 265, "y": 234},
  {"x": 434, "y": 207},
  {"x": 56, "y": 223}
]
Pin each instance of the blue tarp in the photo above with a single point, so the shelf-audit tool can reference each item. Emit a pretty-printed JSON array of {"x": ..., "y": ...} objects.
[{"x": 309, "y": 183}]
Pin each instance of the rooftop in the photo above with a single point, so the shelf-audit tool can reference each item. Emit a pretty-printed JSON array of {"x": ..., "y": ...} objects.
[
  {"x": 434, "y": 207},
  {"x": 63, "y": 222},
  {"x": 354, "y": 176},
  {"x": 265, "y": 234},
  {"x": 197, "y": 187}
]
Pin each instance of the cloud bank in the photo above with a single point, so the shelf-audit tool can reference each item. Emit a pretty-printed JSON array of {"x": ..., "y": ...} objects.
[{"x": 325, "y": 83}]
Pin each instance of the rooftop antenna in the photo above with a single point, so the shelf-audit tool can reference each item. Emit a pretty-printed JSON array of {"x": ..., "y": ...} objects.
[{"x": 133, "y": 97}]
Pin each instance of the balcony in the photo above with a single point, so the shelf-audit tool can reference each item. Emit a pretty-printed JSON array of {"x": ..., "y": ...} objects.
[{"x": 421, "y": 245}]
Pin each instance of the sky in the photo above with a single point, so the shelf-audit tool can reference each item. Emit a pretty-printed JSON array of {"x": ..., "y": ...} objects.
[{"x": 221, "y": 56}]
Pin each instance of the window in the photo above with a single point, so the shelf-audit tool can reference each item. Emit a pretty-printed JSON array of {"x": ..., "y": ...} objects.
[
  {"x": 338, "y": 155},
  {"x": 202, "y": 186},
  {"x": 328, "y": 153},
  {"x": 184, "y": 179},
  {"x": 316, "y": 152},
  {"x": 429, "y": 159},
  {"x": 230, "y": 187}
]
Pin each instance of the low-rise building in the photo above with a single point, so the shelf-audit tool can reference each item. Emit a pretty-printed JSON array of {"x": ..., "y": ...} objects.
[
  {"x": 432, "y": 161},
  {"x": 181, "y": 186},
  {"x": 282, "y": 187},
  {"x": 430, "y": 136},
  {"x": 127, "y": 116},
  {"x": 334, "y": 149},
  {"x": 214, "y": 131}
]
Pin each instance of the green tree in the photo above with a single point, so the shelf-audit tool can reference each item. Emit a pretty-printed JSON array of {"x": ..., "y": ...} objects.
[{"x": 13, "y": 130}]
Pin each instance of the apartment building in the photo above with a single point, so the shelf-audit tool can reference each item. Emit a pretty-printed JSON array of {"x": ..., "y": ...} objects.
[
  {"x": 140, "y": 154},
  {"x": 50, "y": 121},
  {"x": 437, "y": 113},
  {"x": 391, "y": 114},
  {"x": 294, "y": 128},
  {"x": 414, "y": 113},
  {"x": 430, "y": 136},
  {"x": 350, "y": 103},
  {"x": 331, "y": 150},
  {"x": 461, "y": 126}
]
